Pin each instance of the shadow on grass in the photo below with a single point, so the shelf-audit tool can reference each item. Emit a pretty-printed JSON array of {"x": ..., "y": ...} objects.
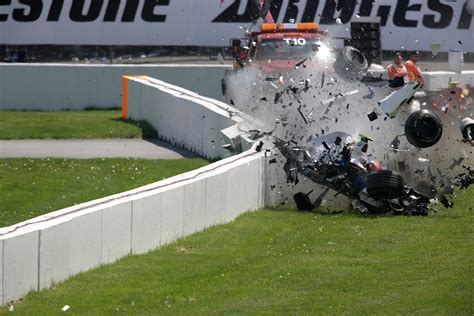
[
  {"x": 98, "y": 108},
  {"x": 335, "y": 212},
  {"x": 147, "y": 130}
]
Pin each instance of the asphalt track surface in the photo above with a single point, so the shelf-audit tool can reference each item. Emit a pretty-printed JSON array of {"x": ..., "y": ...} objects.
[{"x": 91, "y": 148}]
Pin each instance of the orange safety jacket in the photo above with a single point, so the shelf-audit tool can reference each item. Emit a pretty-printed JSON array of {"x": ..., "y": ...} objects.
[
  {"x": 413, "y": 71},
  {"x": 396, "y": 74},
  {"x": 397, "y": 70}
]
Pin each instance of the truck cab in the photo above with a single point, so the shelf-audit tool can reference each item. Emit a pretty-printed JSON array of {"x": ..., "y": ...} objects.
[
  {"x": 279, "y": 47},
  {"x": 285, "y": 48}
]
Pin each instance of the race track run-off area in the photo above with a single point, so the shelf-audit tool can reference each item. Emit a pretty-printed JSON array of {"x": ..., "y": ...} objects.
[{"x": 237, "y": 157}]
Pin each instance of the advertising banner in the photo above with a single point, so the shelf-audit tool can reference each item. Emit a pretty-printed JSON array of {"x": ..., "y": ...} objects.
[{"x": 406, "y": 24}]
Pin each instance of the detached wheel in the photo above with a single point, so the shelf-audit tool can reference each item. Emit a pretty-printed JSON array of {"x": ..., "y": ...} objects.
[
  {"x": 384, "y": 185},
  {"x": 303, "y": 203},
  {"x": 350, "y": 61},
  {"x": 423, "y": 129},
  {"x": 467, "y": 128}
]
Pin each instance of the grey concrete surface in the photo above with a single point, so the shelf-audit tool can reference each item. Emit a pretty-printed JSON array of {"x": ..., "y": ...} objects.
[{"x": 92, "y": 148}]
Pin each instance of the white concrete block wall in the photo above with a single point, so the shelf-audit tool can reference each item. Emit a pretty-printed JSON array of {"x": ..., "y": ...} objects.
[
  {"x": 52, "y": 247},
  {"x": 238, "y": 186},
  {"x": 20, "y": 265},
  {"x": 212, "y": 126},
  {"x": 195, "y": 208},
  {"x": 70, "y": 86},
  {"x": 216, "y": 199},
  {"x": 437, "y": 80},
  {"x": 236, "y": 178},
  {"x": 54, "y": 253},
  {"x": 193, "y": 122},
  {"x": 255, "y": 189},
  {"x": 85, "y": 251},
  {"x": 146, "y": 222},
  {"x": 2, "y": 293},
  {"x": 75, "y": 86},
  {"x": 116, "y": 231},
  {"x": 195, "y": 128},
  {"x": 172, "y": 214}
]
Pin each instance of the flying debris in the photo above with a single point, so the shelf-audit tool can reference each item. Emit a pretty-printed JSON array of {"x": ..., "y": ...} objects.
[
  {"x": 423, "y": 129},
  {"x": 465, "y": 179},
  {"x": 372, "y": 116},
  {"x": 326, "y": 102},
  {"x": 467, "y": 129},
  {"x": 394, "y": 102},
  {"x": 332, "y": 162},
  {"x": 300, "y": 63},
  {"x": 302, "y": 115}
]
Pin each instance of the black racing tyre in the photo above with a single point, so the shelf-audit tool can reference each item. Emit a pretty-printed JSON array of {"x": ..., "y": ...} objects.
[
  {"x": 350, "y": 61},
  {"x": 303, "y": 202},
  {"x": 384, "y": 185},
  {"x": 423, "y": 129},
  {"x": 467, "y": 128}
]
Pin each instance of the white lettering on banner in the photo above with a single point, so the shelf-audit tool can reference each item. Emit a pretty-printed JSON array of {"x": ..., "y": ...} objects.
[
  {"x": 406, "y": 24},
  {"x": 295, "y": 41}
]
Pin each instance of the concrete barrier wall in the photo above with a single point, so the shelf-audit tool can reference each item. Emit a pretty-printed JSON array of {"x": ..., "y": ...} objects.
[
  {"x": 181, "y": 117},
  {"x": 52, "y": 247},
  {"x": 69, "y": 86},
  {"x": 437, "y": 80},
  {"x": 53, "y": 87}
]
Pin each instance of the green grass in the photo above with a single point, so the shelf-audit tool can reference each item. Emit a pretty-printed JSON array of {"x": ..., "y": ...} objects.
[
  {"x": 286, "y": 262},
  {"x": 32, "y": 187},
  {"x": 71, "y": 125}
]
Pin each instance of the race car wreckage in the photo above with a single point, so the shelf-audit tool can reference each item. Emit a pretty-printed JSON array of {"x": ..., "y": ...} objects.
[
  {"x": 338, "y": 162},
  {"x": 274, "y": 80}
]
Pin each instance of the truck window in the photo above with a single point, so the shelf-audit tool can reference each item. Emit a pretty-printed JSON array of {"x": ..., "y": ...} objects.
[{"x": 289, "y": 48}]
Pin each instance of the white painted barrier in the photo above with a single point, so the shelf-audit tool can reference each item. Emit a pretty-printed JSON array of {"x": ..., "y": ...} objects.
[
  {"x": 50, "y": 248},
  {"x": 20, "y": 263},
  {"x": 54, "y": 246},
  {"x": 116, "y": 229},
  {"x": 76, "y": 86},
  {"x": 146, "y": 222},
  {"x": 55, "y": 268},
  {"x": 194, "y": 220},
  {"x": 437, "y": 80},
  {"x": 181, "y": 117}
]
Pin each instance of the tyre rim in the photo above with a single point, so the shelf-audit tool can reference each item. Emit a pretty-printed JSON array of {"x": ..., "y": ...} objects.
[
  {"x": 427, "y": 128},
  {"x": 357, "y": 57}
]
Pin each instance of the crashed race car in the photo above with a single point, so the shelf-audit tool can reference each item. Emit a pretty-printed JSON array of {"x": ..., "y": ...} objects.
[
  {"x": 340, "y": 163},
  {"x": 288, "y": 77}
]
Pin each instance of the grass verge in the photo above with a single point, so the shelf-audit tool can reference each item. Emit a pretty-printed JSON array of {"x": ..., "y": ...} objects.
[
  {"x": 32, "y": 187},
  {"x": 286, "y": 262},
  {"x": 71, "y": 125}
]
